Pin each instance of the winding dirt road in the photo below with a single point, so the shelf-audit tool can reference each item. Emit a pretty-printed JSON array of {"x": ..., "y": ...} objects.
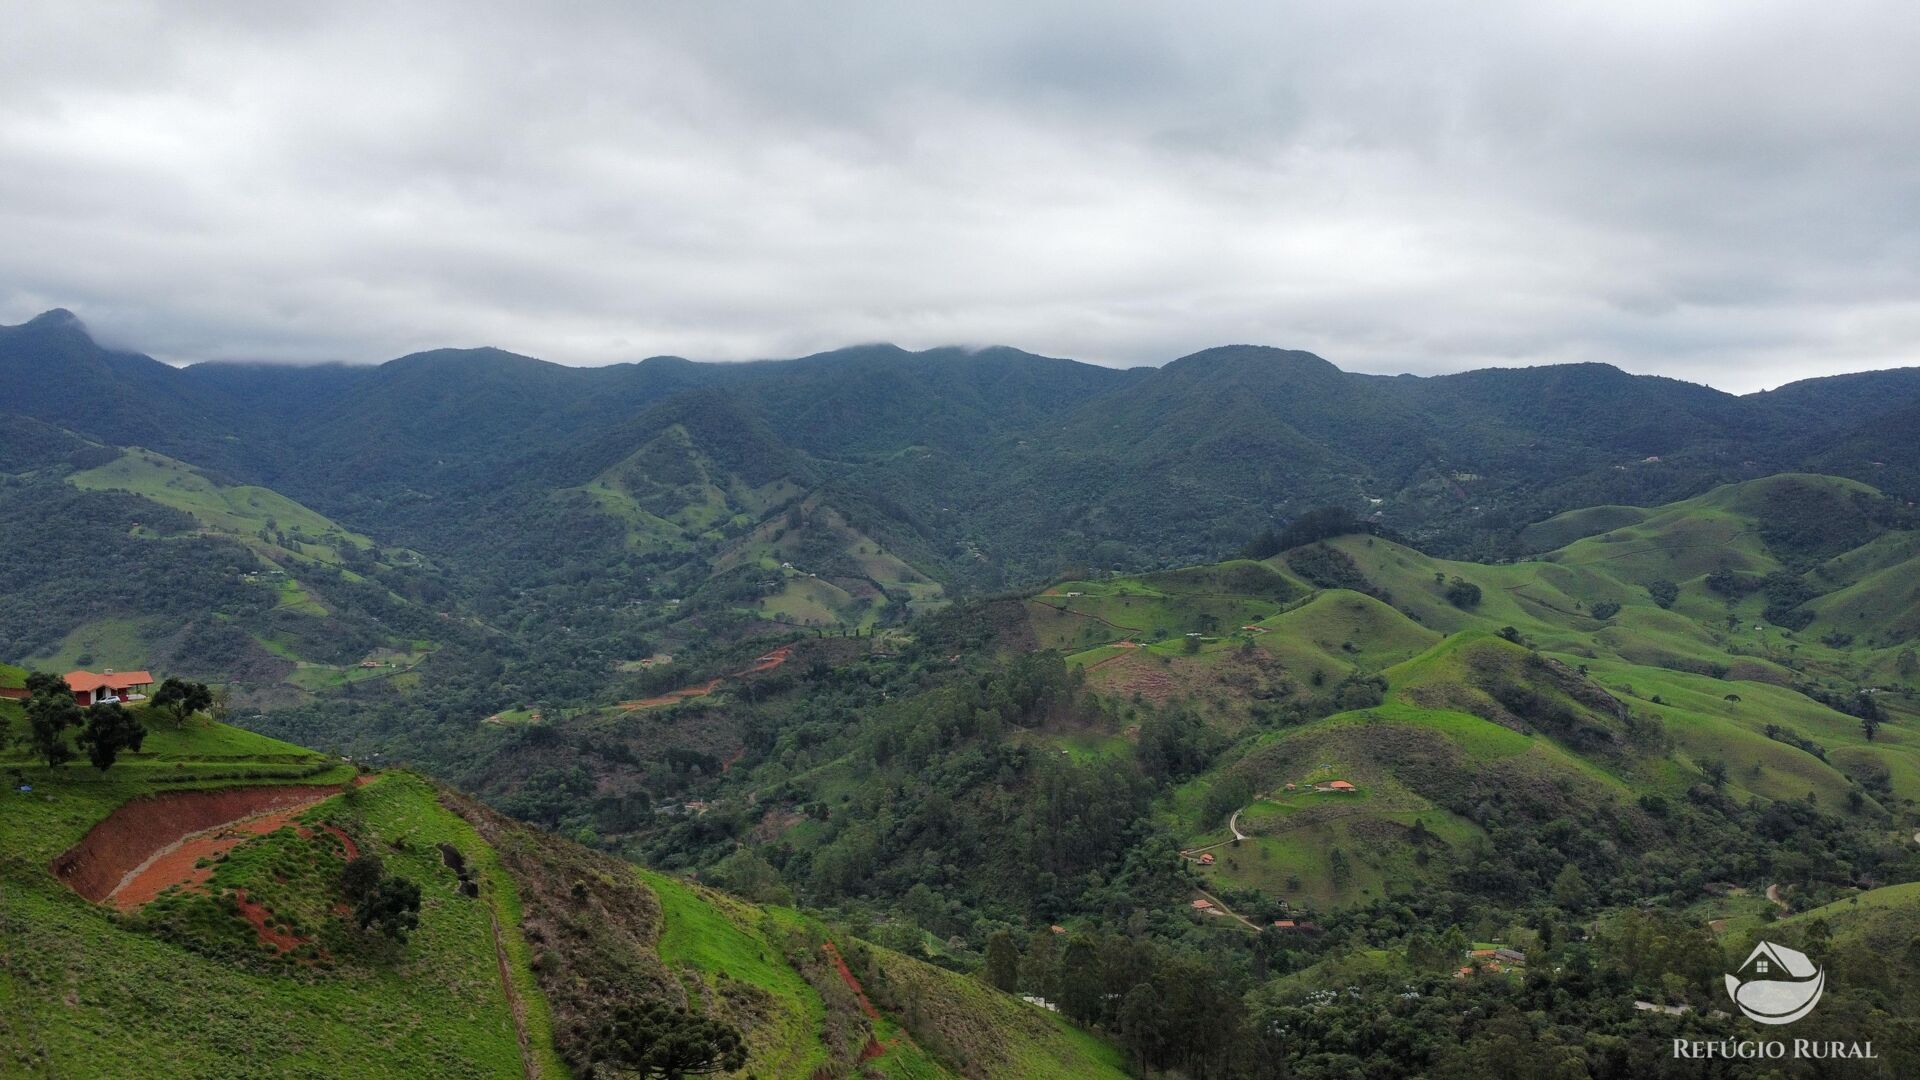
[
  {"x": 1229, "y": 912},
  {"x": 1233, "y": 826}
]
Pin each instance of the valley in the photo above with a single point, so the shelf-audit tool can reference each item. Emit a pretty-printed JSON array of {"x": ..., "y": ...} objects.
[{"x": 962, "y": 713}]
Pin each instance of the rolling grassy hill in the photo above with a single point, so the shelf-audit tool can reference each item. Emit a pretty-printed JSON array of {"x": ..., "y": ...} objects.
[
  {"x": 242, "y": 963},
  {"x": 278, "y": 529},
  {"x": 1460, "y": 695}
]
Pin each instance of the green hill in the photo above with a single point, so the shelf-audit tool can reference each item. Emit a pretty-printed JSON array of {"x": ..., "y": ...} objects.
[
  {"x": 1482, "y": 699},
  {"x": 243, "y": 961}
]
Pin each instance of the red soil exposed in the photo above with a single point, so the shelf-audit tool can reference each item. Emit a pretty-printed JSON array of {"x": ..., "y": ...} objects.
[
  {"x": 770, "y": 661},
  {"x": 874, "y": 1047},
  {"x": 672, "y": 696},
  {"x": 765, "y": 663},
  {"x": 353, "y": 849},
  {"x": 149, "y": 843},
  {"x": 846, "y": 976},
  {"x": 261, "y": 920}
]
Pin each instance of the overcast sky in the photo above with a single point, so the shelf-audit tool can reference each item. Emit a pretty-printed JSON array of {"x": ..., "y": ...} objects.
[{"x": 1727, "y": 193}]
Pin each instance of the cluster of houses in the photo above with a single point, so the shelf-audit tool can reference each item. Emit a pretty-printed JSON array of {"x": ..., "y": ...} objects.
[{"x": 97, "y": 688}]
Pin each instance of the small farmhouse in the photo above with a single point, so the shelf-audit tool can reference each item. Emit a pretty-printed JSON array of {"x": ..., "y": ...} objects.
[{"x": 122, "y": 686}]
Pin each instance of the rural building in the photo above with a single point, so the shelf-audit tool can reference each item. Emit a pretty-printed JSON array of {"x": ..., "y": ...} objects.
[
  {"x": 1206, "y": 859},
  {"x": 1335, "y": 785},
  {"x": 1203, "y": 905},
  {"x": 122, "y": 686}
]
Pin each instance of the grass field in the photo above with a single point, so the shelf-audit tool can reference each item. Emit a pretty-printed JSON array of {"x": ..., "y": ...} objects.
[
  {"x": 717, "y": 941},
  {"x": 163, "y": 1007},
  {"x": 1711, "y": 675},
  {"x": 242, "y": 512}
]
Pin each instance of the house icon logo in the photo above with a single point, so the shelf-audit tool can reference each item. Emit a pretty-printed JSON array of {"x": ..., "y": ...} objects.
[{"x": 1776, "y": 985}]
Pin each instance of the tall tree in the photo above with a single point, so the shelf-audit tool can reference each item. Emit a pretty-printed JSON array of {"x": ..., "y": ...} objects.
[
  {"x": 110, "y": 729},
  {"x": 50, "y": 712},
  {"x": 1570, "y": 890},
  {"x": 1003, "y": 961},
  {"x": 1081, "y": 989},
  {"x": 182, "y": 698}
]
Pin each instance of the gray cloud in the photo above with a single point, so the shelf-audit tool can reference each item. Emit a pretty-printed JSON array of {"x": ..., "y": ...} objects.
[{"x": 1725, "y": 193}]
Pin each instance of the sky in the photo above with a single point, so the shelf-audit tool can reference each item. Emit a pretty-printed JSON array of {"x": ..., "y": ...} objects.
[{"x": 1722, "y": 192}]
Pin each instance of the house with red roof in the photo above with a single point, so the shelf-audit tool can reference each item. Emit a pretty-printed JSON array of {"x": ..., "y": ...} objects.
[{"x": 90, "y": 688}]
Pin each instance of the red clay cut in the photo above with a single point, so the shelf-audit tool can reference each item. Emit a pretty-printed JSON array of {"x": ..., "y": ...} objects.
[{"x": 153, "y": 842}]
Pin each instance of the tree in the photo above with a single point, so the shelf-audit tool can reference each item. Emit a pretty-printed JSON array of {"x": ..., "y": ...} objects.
[
  {"x": 50, "y": 712},
  {"x": 1870, "y": 726},
  {"x": 1003, "y": 961},
  {"x": 110, "y": 729},
  {"x": 1570, "y": 889},
  {"x": 1716, "y": 772},
  {"x": 1463, "y": 594},
  {"x": 1664, "y": 592},
  {"x": 182, "y": 698},
  {"x": 1142, "y": 1023},
  {"x": 360, "y": 877},
  {"x": 1081, "y": 988},
  {"x": 391, "y": 907},
  {"x": 656, "y": 1039}
]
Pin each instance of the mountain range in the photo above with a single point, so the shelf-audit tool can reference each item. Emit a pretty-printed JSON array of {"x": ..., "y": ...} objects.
[{"x": 1249, "y": 717}]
